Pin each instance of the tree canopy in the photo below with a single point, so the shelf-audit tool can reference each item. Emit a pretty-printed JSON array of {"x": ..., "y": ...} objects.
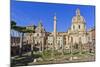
[{"x": 20, "y": 28}]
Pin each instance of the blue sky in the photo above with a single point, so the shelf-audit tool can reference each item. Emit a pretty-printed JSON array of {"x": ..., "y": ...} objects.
[{"x": 30, "y": 13}]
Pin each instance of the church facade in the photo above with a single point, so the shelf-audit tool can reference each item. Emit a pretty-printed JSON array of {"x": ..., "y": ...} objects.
[{"x": 78, "y": 29}]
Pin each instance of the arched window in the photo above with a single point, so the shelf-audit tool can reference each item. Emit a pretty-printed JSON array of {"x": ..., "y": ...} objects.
[
  {"x": 79, "y": 26},
  {"x": 73, "y": 27}
]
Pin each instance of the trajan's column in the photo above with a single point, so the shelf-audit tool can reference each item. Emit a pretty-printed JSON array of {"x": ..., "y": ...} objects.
[{"x": 54, "y": 33}]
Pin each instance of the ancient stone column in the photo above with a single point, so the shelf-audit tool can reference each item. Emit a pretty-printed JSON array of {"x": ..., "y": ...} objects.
[{"x": 54, "y": 33}]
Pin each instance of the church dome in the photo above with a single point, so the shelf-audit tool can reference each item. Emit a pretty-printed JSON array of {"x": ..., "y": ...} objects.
[
  {"x": 40, "y": 28},
  {"x": 78, "y": 18}
]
